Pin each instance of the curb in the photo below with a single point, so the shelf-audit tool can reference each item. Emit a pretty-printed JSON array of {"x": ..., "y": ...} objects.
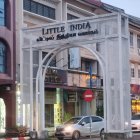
[{"x": 19, "y": 138}]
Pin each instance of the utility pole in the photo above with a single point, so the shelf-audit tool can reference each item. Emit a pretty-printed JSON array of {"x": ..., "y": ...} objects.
[{"x": 90, "y": 74}]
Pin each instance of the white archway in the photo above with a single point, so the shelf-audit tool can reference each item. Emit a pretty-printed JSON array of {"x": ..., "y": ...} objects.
[{"x": 111, "y": 32}]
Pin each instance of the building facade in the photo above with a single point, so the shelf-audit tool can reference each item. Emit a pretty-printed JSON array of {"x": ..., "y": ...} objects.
[
  {"x": 134, "y": 29},
  {"x": 7, "y": 64},
  {"x": 67, "y": 89},
  {"x": 134, "y": 63}
]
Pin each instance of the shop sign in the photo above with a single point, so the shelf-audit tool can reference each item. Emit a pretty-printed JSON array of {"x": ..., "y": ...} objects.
[
  {"x": 72, "y": 97},
  {"x": 55, "y": 76},
  {"x": 58, "y": 114},
  {"x": 88, "y": 95}
]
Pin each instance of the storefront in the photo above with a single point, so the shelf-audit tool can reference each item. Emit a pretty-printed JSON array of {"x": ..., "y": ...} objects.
[
  {"x": 135, "y": 98},
  {"x": 63, "y": 101}
]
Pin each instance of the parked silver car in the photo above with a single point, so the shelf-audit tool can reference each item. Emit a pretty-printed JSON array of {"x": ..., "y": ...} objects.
[
  {"x": 80, "y": 126},
  {"x": 135, "y": 122}
]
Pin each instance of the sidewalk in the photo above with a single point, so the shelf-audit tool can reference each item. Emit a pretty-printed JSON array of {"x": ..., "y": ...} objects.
[
  {"x": 135, "y": 137},
  {"x": 17, "y": 138}
]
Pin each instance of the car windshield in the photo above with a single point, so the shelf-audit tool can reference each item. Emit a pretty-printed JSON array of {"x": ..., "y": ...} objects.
[
  {"x": 136, "y": 117},
  {"x": 73, "y": 120}
]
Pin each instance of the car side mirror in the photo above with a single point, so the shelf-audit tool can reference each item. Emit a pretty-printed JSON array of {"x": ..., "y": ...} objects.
[{"x": 83, "y": 123}]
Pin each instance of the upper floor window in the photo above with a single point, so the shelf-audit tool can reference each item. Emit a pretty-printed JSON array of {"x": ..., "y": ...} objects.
[
  {"x": 132, "y": 72},
  {"x": 52, "y": 63},
  {"x": 131, "y": 39},
  {"x": 39, "y": 9},
  {"x": 86, "y": 65},
  {"x": 2, "y": 57},
  {"x": 138, "y": 41},
  {"x": 138, "y": 73},
  {"x": 70, "y": 17},
  {"x": 2, "y": 12}
]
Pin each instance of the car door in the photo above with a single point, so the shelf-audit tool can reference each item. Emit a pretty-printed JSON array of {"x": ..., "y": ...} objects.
[
  {"x": 85, "y": 126},
  {"x": 97, "y": 125}
]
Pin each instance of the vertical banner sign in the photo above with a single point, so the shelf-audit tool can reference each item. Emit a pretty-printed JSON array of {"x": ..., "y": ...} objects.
[{"x": 57, "y": 114}]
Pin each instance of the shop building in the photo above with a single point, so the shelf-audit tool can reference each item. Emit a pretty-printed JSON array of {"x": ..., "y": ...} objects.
[
  {"x": 135, "y": 62},
  {"x": 7, "y": 64},
  {"x": 134, "y": 29}
]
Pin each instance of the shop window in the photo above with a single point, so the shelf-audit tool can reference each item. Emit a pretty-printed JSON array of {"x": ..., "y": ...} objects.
[
  {"x": 39, "y": 8},
  {"x": 132, "y": 72},
  {"x": 2, "y": 12},
  {"x": 2, "y": 57},
  {"x": 131, "y": 39}
]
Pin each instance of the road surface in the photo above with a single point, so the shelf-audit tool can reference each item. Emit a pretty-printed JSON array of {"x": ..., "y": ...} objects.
[{"x": 135, "y": 137}]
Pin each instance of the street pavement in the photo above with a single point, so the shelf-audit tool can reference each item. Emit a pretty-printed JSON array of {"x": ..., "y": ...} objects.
[{"x": 136, "y": 136}]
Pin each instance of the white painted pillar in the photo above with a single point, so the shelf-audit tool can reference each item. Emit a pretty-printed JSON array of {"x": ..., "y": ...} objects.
[
  {"x": 31, "y": 88},
  {"x": 21, "y": 79}
]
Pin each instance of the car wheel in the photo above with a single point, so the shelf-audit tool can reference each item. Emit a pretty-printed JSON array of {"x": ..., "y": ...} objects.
[
  {"x": 76, "y": 135},
  {"x": 102, "y": 134}
]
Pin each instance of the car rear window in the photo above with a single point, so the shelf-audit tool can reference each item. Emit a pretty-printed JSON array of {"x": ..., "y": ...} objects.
[{"x": 96, "y": 119}]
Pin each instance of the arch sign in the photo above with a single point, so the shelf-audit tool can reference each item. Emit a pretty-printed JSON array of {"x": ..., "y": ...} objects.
[{"x": 110, "y": 34}]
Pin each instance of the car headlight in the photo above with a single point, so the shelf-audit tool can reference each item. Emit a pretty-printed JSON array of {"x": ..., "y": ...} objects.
[
  {"x": 55, "y": 128},
  {"x": 138, "y": 124},
  {"x": 68, "y": 128}
]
